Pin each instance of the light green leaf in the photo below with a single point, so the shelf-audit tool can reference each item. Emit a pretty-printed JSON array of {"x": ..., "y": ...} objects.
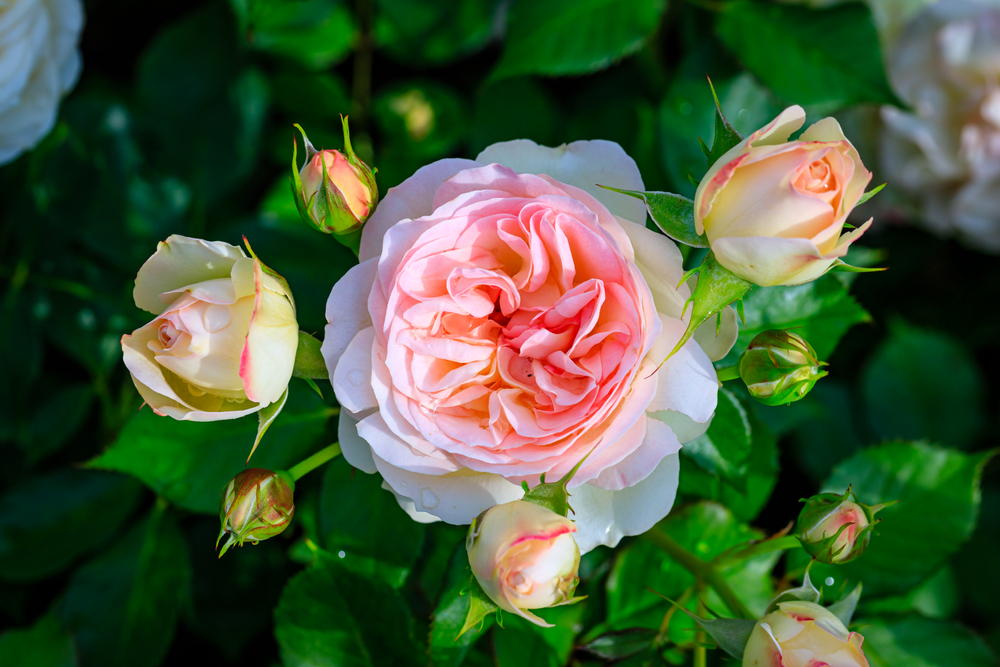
[
  {"x": 560, "y": 37},
  {"x": 521, "y": 643},
  {"x": 824, "y": 57},
  {"x": 49, "y": 521},
  {"x": 122, "y": 607},
  {"x": 189, "y": 463},
  {"x": 434, "y": 32},
  {"x": 924, "y": 384},
  {"x": 919, "y": 642},
  {"x": 309, "y": 361},
  {"x": 939, "y": 496},
  {"x": 315, "y": 33},
  {"x": 330, "y": 617},
  {"x": 673, "y": 214}
]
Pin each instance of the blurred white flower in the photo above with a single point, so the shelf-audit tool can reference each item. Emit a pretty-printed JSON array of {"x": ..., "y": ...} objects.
[
  {"x": 39, "y": 62},
  {"x": 945, "y": 154}
]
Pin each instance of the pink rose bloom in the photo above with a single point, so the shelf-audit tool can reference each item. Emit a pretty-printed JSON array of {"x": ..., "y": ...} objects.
[{"x": 506, "y": 319}]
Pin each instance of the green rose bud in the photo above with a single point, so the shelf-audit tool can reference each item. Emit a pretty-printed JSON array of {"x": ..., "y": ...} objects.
[
  {"x": 335, "y": 192},
  {"x": 257, "y": 504},
  {"x": 780, "y": 367},
  {"x": 836, "y": 529}
]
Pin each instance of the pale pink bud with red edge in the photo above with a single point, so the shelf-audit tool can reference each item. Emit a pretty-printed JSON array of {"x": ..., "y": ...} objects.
[
  {"x": 348, "y": 181},
  {"x": 803, "y": 634},
  {"x": 525, "y": 557}
]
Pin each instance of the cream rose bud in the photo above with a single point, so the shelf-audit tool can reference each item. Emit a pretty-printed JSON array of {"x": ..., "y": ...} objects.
[
  {"x": 353, "y": 192},
  {"x": 524, "y": 556},
  {"x": 774, "y": 209},
  {"x": 803, "y": 634},
  {"x": 223, "y": 342}
]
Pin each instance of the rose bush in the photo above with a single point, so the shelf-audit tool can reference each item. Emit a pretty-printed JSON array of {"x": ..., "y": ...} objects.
[
  {"x": 803, "y": 634},
  {"x": 39, "y": 62},
  {"x": 505, "y": 321},
  {"x": 224, "y": 340},
  {"x": 774, "y": 209},
  {"x": 524, "y": 557}
]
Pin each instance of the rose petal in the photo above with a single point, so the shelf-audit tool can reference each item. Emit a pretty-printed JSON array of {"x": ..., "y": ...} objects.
[
  {"x": 269, "y": 353},
  {"x": 355, "y": 449},
  {"x": 352, "y": 379},
  {"x": 181, "y": 261},
  {"x": 584, "y": 164},
  {"x": 659, "y": 441},
  {"x": 347, "y": 311}
]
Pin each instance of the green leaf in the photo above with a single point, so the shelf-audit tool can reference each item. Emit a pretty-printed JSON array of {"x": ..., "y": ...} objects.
[
  {"x": 920, "y": 642},
  {"x": 122, "y": 607},
  {"x": 329, "y": 616},
  {"x": 480, "y": 607},
  {"x": 189, "y": 463},
  {"x": 433, "y": 32},
  {"x": 938, "y": 494},
  {"x": 560, "y": 37},
  {"x": 315, "y": 33},
  {"x": 266, "y": 417},
  {"x": 731, "y": 634},
  {"x": 937, "y": 597},
  {"x": 448, "y": 644},
  {"x": 725, "y": 448},
  {"x": 821, "y": 312},
  {"x": 621, "y": 644},
  {"x": 829, "y": 58},
  {"x": 45, "y": 644},
  {"x": 521, "y": 643},
  {"x": 844, "y": 608},
  {"x": 673, "y": 214},
  {"x": 363, "y": 521},
  {"x": 55, "y": 420},
  {"x": 309, "y": 361},
  {"x": 519, "y": 107},
  {"x": 48, "y": 522},
  {"x": 924, "y": 384}
]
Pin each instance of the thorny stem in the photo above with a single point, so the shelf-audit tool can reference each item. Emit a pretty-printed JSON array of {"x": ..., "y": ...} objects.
[
  {"x": 728, "y": 372},
  {"x": 700, "y": 569},
  {"x": 314, "y": 461}
]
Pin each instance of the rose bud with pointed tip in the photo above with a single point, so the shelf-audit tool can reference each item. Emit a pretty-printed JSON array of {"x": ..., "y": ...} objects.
[
  {"x": 780, "y": 367},
  {"x": 225, "y": 335},
  {"x": 524, "y": 556},
  {"x": 835, "y": 528},
  {"x": 349, "y": 197},
  {"x": 803, "y": 634},
  {"x": 774, "y": 210},
  {"x": 257, "y": 504}
]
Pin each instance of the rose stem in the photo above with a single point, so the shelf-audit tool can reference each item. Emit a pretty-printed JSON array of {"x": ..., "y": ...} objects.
[
  {"x": 728, "y": 372},
  {"x": 766, "y": 546},
  {"x": 314, "y": 461},
  {"x": 700, "y": 652},
  {"x": 699, "y": 568}
]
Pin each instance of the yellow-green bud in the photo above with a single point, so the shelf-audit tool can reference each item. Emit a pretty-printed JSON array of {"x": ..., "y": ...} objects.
[
  {"x": 779, "y": 367},
  {"x": 256, "y": 504}
]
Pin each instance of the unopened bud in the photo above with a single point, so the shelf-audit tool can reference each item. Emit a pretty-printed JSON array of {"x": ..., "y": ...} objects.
[
  {"x": 257, "y": 504},
  {"x": 836, "y": 528},
  {"x": 334, "y": 191},
  {"x": 780, "y": 367},
  {"x": 524, "y": 557}
]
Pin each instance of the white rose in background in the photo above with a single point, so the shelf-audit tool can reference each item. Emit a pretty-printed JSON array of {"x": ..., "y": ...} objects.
[
  {"x": 945, "y": 154},
  {"x": 39, "y": 63},
  {"x": 224, "y": 338},
  {"x": 506, "y": 319}
]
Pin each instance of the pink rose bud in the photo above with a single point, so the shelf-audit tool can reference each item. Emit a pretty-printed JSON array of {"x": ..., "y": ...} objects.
[
  {"x": 337, "y": 191},
  {"x": 524, "y": 556},
  {"x": 774, "y": 210},
  {"x": 803, "y": 634},
  {"x": 257, "y": 504},
  {"x": 835, "y": 528}
]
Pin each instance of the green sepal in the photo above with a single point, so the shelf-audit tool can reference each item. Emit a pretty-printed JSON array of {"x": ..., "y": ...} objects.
[
  {"x": 731, "y": 634},
  {"x": 673, "y": 214},
  {"x": 315, "y": 387},
  {"x": 717, "y": 288},
  {"x": 844, "y": 609},
  {"x": 807, "y": 592},
  {"x": 871, "y": 193},
  {"x": 266, "y": 417},
  {"x": 309, "y": 361},
  {"x": 840, "y": 265},
  {"x": 480, "y": 606},
  {"x": 553, "y": 495},
  {"x": 726, "y": 137},
  {"x": 296, "y": 180},
  {"x": 621, "y": 644}
]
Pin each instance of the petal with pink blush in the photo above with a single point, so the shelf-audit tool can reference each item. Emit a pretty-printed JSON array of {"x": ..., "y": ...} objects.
[
  {"x": 272, "y": 340},
  {"x": 658, "y": 442},
  {"x": 410, "y": 199}
]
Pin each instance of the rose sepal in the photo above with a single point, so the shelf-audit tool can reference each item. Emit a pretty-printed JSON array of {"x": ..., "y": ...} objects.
[
  {"x": 818, "y": 509},
  {"x": 780, "y": 367},
  {"x": 480, "y": 606},
  {"x": 731, "y": 634},
  {"x": 673, "y": 214}
]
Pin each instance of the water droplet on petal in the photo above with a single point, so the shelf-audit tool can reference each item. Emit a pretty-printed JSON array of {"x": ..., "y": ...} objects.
[
  {"x": 356, "y": 377},
  {"x": 428, "y": 499}
]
